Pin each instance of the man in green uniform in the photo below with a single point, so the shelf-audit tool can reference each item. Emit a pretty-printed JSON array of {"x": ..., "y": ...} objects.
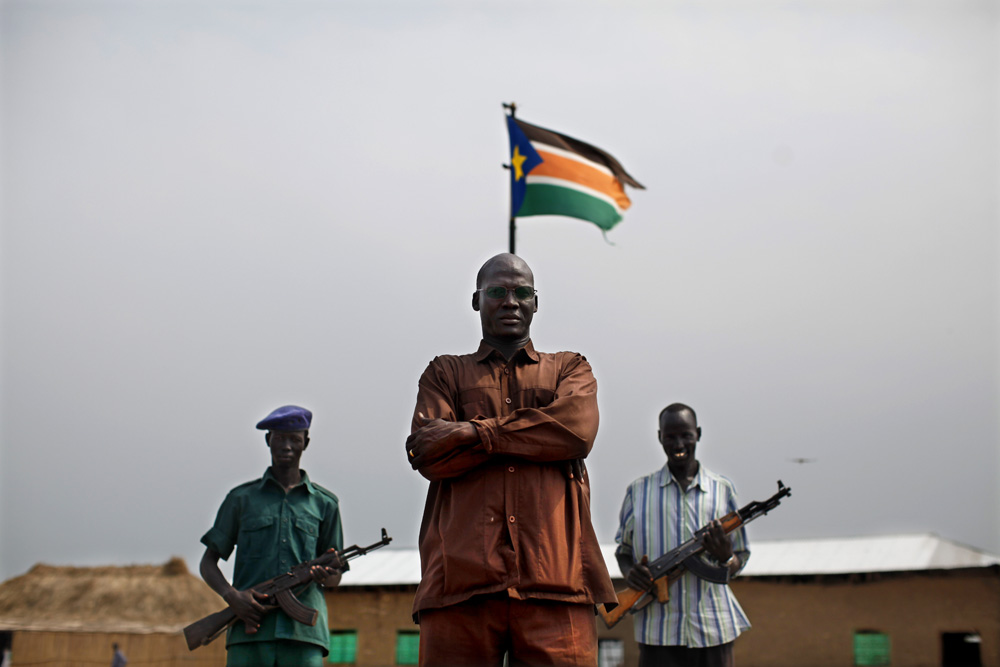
[{"x": 275, "y": 522}]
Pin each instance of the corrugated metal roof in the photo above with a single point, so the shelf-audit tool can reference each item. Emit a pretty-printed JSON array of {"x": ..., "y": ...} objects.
[
  {"x": 891, "y": 553},
  {"x": 384, "y": 567},
  {"x": 846, "y": 555}
]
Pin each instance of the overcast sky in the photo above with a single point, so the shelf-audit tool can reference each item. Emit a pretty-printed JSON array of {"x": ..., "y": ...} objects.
[{"x": 213, "y": 209}]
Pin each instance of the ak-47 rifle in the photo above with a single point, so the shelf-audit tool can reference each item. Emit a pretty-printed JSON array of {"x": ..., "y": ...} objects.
[
  {"x": 280, "y": 590},
  {"x": 672, "y": 564}
]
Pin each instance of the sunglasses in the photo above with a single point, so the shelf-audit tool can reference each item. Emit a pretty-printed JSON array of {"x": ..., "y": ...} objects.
[{"x": 521, "y": 293}]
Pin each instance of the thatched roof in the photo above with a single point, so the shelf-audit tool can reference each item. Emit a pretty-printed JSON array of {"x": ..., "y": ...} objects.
[{"x": 130, "y": 598}]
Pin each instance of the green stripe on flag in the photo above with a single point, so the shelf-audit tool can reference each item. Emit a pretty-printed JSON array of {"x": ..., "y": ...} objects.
[{"x": 544, "y": 199}]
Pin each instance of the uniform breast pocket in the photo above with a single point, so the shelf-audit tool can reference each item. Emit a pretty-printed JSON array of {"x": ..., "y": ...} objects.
[
  {"x": 306, "y": 533},
  {"x": 258, "y": 534}
]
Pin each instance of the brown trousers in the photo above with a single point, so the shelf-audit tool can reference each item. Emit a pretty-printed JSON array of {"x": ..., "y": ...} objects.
[
  {"x": 682, "y": 656},
  {"x": 478, "y": 632}
]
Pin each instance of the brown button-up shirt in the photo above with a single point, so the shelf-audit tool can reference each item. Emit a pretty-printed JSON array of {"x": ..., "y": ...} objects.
[{"x": 512, "y": 512}]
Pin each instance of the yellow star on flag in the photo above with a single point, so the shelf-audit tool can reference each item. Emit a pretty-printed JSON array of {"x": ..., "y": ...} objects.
[{"x": 517, "y": 160}]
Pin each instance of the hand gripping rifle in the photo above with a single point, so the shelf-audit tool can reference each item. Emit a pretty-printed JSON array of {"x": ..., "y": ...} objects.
[
  {"x": 281, "y": 590},
  {"x": 671, "y": 565}
]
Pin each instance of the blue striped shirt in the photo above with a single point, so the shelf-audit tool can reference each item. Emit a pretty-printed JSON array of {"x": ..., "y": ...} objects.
[{"x": 656, "y": 516}]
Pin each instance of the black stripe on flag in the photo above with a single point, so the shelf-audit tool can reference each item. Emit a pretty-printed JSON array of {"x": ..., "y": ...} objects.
[{"x": 582, "y": 148}]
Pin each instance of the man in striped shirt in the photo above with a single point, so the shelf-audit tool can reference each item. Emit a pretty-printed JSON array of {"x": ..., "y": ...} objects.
[{"x": 698, "y": 625}]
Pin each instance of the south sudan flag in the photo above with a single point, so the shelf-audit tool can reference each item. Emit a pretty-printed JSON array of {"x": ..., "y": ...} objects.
[{"x": 552, "y": 174}]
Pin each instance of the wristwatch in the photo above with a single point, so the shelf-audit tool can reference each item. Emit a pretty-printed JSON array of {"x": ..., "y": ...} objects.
[{"x": 728, "y": 563}]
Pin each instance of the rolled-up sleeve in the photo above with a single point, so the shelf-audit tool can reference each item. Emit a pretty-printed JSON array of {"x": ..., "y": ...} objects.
[{"x": 221, "y": 537}]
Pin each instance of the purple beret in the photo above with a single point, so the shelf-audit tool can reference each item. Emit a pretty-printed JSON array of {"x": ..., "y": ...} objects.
[{"x": 287, "y": 418}]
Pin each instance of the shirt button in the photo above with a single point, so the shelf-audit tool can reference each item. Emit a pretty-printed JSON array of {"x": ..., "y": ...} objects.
[
  {"x": 510, "y": 469},
  {"x": 506, "y": 371},
  {"x": 283, "y": 541},
  {"x": 507, "y": 400},
  {"x": 511, "y": 517}
]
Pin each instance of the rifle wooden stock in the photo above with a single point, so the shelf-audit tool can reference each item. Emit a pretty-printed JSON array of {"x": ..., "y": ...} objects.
[
  {"x": 671, "y": 566},
  {"x": 626, "y": 600},
  {"x": 631, "y": 600},
  {"x": 203, "y": 632}
]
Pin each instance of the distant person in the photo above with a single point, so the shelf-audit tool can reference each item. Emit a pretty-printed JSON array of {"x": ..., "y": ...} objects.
[
  {"x": 275, "y": 522},
  {"x": 509, "y": 560},
  {"x": 662, "y": 510},
  {"x": 118, "y": 659}
]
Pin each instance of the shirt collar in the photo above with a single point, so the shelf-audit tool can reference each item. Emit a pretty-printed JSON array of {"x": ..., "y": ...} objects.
[
  {"x": 486, "y": 350},
  {"x": 269, "y": 477},
  {"x": 666, "y": 477}
]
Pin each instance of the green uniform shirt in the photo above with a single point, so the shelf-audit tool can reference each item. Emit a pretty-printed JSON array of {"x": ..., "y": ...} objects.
[{"x": 272, "y": 531}]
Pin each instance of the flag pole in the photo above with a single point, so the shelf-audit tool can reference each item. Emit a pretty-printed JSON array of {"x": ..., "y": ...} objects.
[{"x": 513, "y": 227}]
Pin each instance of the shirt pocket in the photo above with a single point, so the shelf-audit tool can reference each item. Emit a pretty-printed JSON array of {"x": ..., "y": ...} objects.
[
  {"x": 533, "y": 397},
  {"x": 307, "y": 534},
  {"x": 258, "y": 536},
  {"x": 478, "y": 403}
]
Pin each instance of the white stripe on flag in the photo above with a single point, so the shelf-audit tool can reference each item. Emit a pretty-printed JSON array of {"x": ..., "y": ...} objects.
[
  {"x": 570, "y": 155},
  {"x": 573, "y": 185}
]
